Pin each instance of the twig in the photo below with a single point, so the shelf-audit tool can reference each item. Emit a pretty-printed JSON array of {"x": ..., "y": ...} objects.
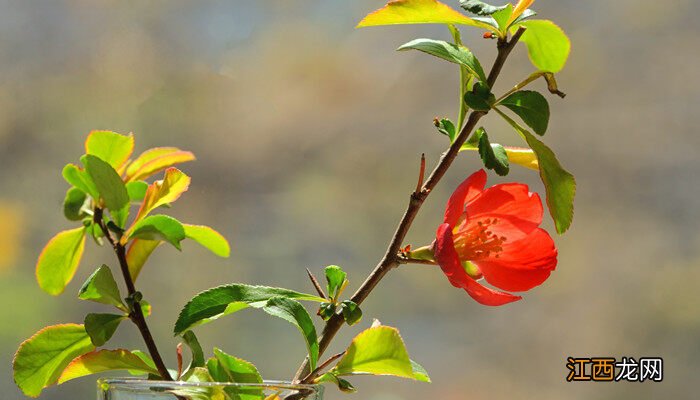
[
  {"x": 313, "y": 374},
  {"x": 136, "y": 314},
  {"x": 390, "y": 259},
  {"x": 317, "y": 286},
  {"x": 421, "y": 174}
]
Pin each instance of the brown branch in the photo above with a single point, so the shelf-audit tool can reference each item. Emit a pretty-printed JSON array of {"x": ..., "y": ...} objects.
[
  {"x": 313, "y": 374},
  {"x": 136, "y": 314},
  {"x": 317, "y": 285},
  {"x": 421, "y": 174},
  {"x": 390, "y": 259}
]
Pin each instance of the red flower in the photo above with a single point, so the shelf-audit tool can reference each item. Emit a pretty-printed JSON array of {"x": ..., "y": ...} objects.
[{"x": 494, "y": 234}]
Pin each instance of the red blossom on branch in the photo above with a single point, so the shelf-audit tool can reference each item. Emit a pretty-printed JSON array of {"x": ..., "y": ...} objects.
[{"x": 494, "y": 233}]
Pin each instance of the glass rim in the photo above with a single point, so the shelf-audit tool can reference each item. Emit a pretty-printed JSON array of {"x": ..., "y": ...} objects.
[{"x": 273, "y": 384}]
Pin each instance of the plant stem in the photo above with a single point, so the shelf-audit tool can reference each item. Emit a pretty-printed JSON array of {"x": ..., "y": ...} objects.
[
  {"x": 464, "y": 78},
  {"x": 136, "y": 314},
  {"x": 390, "y": 260}
]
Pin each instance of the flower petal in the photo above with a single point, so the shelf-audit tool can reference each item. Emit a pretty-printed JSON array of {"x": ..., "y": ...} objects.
[
  {"x": 517, "y": 210},
  {"x": 446, "y": 256},
  {"x": 465, "y": 192},
  {"x": 522, "y": 264}
]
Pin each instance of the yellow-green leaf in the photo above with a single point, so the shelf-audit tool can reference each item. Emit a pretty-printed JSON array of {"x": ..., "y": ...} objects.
[
  {"x": 376, "y": 351},
  {"x": 418, "y": 12},
  {"x": 105, "y": 360},
  {"x": 138, "y": 254},
  {"x": 59, "y": 260},
  {"x": 42, "y": 358},
  {"x": 165, "y": 191},
  {"x": 155, "y": 160},
  {"x": 209, "y": 238},
  {"x": 112, "y": 147},
  {"x": 107, "y": 181},
  {"x": 79, "y": 178},
  {"x": 547, "y": 44}
]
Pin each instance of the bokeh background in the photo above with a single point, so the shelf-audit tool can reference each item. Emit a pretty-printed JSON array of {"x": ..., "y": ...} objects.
[{"x": 308, "y": 134}]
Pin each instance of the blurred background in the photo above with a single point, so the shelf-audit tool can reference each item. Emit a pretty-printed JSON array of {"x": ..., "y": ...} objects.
[{"x": 308, "y": 135}]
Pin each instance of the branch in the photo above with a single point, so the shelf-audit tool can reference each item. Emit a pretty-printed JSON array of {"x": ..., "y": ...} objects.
[
  {"x": 390, "y": 260},
  {"x": 136, "y": 314},
  {"x": 313, "y": 374}
]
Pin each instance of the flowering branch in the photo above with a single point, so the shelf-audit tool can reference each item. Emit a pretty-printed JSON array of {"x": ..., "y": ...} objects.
[{"x": 392, "y": 258}]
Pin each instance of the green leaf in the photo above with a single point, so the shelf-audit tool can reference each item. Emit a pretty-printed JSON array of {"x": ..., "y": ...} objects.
[
  {"x": 547, "y": 45},
  {"x": 136, "y": 190},
  {"x": 351, "y": 312},
  {"x": 417, "y": 12},
  {"x": 447, "y": 128},
  {"x": 107, "y": 181},
  {"x": 159, "y": 227},
  {"x": 138, "y": 254},
  {"x": 479, "y": 7},
  {"x": 106, "y": 360},
  {"x": 80, "y": 179},
  {"x": 209, "y": 238},
  {"x": 101, "y": 327},
  {"x": 449, "y": 52},
  {"x": 197, "y": 354},
  {"x": 502, "y": 17},
  {"x": 59, "y": 260},
  {"x": 145, "y": 358},
  {"x": 223, "y": 300},
  {"x": 342, "y": 384},
  {"x": 477, "y": 102},
  {"x": 203, "y": 392},
  {"x": 113, "y": 148},
  {"x": 493, "y": 155},
  {"x": 326, "y": 310},
  {"x": 120, "y": 217},
  {"x": 376, "y": 351},
  {"x": 419, "y": 373},
  {"x": 525, "y": 15},
  {"x": 102, "y": 288},
  {"x": 480, "y": 98},
  {"x": 560, "y": 185},
  {"x": 232, "y": 369},
  {"x": 293, "y": 312},
  {"x": 532, "y": 107},
  {"x": 73, "y": 204},
  {"x": 336, "y": 278},
  {"x": 42, "y": 358}
]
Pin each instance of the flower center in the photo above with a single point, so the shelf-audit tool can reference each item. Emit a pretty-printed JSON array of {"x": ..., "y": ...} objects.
[{"x": 476, "y": 241}]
